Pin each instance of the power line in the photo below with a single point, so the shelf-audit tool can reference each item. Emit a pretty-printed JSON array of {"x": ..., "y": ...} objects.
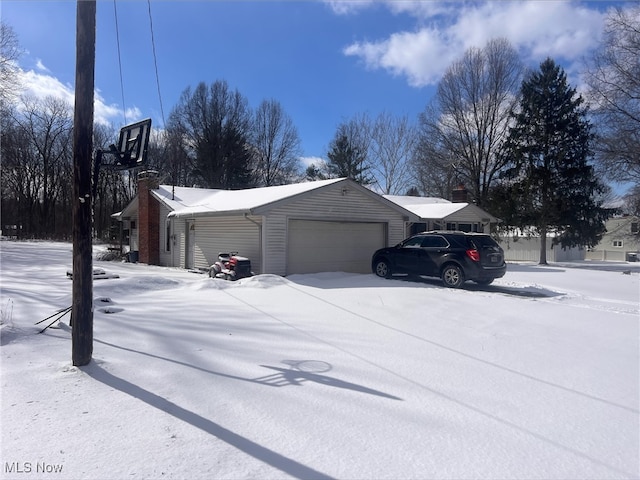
[
  {"x": 124, "y": 108},
  {"x": 155, "y": 62}
]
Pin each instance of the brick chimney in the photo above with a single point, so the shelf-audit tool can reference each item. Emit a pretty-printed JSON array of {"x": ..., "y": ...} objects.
[
  {"x": 460, "y": 194},
  {"x": 148, "y": 219}
]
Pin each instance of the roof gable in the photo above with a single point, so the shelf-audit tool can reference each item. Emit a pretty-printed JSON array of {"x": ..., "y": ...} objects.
[
  {"x": 211, "y": 202},
  {"x": 193, "y": 202},
  {"x": 437, "y": 208}
]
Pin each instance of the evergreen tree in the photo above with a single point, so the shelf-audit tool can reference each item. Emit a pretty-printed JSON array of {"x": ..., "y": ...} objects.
[
  {"x": 550, "y": 185},
  {"x": 347, "y": 159},
  {"x": 413, "y": 192},
  {"x": 313, "y": 173}
]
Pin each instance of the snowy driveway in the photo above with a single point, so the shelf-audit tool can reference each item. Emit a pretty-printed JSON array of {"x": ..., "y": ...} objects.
[{"x": 322, "y": 376}]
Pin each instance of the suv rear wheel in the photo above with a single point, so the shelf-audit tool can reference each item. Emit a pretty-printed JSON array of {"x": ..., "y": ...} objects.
[
  {"x": 452, "y": 276},
  {"x": 382, "y": 268}
]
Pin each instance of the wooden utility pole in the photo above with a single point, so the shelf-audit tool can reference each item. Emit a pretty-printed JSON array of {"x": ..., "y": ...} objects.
[{"x": 82, "y": 306}]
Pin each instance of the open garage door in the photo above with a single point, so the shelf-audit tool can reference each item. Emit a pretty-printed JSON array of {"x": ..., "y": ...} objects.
[{"x": 318, "y": 246}]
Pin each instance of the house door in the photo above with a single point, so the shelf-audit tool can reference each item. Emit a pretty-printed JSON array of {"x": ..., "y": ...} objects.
[{"x": 189, "y": 244}]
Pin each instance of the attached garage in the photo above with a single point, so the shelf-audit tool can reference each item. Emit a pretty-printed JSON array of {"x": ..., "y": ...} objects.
[
  {"x": 328, "y": 225},
  {"x": 329, "y": 246}
]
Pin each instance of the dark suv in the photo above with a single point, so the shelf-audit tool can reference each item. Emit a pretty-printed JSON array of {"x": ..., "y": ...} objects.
[{"x": 452, "y": 256}]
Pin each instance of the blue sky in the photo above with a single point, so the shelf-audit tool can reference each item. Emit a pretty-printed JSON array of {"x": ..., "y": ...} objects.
[{"x": 323, "y": 61}]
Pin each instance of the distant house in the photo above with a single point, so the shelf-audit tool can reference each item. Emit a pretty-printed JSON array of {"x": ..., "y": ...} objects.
[
  {"x": 329, "y": 225},
  {"x": 439, "y": 214},
  {"x": 621, "y": 242}
]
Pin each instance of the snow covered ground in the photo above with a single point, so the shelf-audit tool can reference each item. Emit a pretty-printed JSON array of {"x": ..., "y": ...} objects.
[{"x": 321, "y": 376}]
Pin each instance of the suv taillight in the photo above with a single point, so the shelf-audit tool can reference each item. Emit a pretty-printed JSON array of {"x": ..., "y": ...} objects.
[{"x": 474, "y": 255}]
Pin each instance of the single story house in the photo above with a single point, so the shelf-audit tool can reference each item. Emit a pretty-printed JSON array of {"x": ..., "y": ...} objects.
[
  {"x": 440, "y": 214},
  {"x": 328, "y": 225},
  {"x": 621, "y": 242}
]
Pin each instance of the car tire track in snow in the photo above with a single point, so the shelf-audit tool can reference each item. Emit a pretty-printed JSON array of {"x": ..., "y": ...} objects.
[
  {"x": 569, "y": 299},
  {"x": 466, "y": 355},
  {"x": 441, "y": 394}
]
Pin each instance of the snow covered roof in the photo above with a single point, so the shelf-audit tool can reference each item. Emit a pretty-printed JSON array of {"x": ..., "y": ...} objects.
[
  {"x": 177, "y": 198},
  {"x": 127, "y": 211},
  {"x": 436, "y": 208},
  {"x": 187, "y": 202},
  {"x": 410, "y": 200}
]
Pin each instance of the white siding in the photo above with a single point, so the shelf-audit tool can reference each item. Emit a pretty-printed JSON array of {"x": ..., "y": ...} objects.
[
  {"x": 464, "y": 216},
  {"x": 621, "y": 234},
  {"x": 611, "y": 255},
  {"x": 227, "y": 234},
  {"x": 179, "y": 226}
]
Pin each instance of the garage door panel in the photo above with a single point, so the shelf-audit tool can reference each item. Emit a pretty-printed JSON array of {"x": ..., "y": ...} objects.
[{"x": 318, "y": 246}]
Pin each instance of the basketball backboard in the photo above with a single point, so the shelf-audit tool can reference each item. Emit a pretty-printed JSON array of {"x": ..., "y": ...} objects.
[{"x": 133, "y": 143}]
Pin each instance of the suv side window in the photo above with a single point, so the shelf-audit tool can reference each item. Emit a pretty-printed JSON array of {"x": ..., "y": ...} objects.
[
  {"x": 435, "y": 241},
  {"x": 484, "y": 242},
  {"x": 413, "y": 242}
]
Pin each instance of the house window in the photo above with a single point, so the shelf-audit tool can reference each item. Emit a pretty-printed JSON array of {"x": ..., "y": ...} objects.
[
  {"x": 451, "y": 226},
  {"x": 133, "y": 224},
  {"x": 617, "y": 243},
  {"x": 634, "y": 227}
]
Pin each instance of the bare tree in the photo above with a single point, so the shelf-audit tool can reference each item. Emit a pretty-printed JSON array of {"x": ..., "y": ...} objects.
[
  {"x": 468, "y": 119},
  {"x": 393, "y": 141},
  {"x": 613, "y": 77},
  {"x": 10, "y": 52},
  {"x": 432, "y": 163},
  {"x": 276, "y": 144},
  {"x": 47, "y": 126},
  {"x": 19, "y": 179},
  {"x": 213, "y": 125}
]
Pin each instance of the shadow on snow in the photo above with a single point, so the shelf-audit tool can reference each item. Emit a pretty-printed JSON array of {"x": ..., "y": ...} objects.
[{"x": 276, "y": 460}]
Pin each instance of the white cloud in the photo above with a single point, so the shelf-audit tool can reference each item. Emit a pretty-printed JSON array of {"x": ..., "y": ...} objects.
[
  {"x": 346, "y": 7},
  {"x": 40, "y": 86},
  {"x": 421, "y": 9},
  {"x": 308, "y": 161},
  {"x": 415, "y": 8},
  {"x": 40, "y": 66},
  {"x": 564, "y": 31},
  {"x": 560, "y": 30},
  {"x": 421, "y": 56}
]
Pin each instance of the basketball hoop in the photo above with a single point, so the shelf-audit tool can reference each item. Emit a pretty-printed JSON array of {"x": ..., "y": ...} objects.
[
  {"x": 133, "y": 143},
  {"x": 129, "y": 153}
]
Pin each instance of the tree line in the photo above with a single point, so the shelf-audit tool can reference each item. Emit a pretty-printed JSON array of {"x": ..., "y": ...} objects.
[{"x": 527, "y": 146}]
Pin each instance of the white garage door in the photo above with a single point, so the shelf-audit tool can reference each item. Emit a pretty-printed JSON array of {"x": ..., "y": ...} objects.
[{"x": 316, "y": 246}]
